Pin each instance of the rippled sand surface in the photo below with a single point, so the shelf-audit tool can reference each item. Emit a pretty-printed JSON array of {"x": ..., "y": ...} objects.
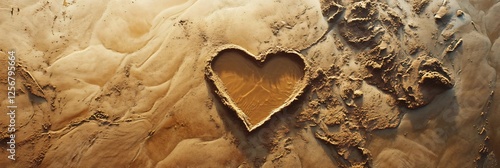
[{"x": 388, "y": 83}]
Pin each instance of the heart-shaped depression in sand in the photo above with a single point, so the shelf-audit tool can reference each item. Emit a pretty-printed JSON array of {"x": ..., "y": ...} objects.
[{"x": 256, "y": 87}]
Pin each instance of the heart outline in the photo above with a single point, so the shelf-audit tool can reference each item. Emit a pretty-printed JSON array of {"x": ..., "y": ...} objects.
[{"x": 228, "y": 101}]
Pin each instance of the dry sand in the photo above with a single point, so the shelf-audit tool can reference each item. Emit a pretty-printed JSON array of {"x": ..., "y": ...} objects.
[
  {"x": 387, "y": 83},
  {"x": 256, "y": 87}
]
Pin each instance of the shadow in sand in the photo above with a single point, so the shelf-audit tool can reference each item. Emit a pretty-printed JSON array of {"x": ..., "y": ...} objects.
[{"x": 256, "y": 145}]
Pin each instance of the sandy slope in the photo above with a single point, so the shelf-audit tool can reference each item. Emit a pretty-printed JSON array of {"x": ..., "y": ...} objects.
[{"x": 122, "y": 83}]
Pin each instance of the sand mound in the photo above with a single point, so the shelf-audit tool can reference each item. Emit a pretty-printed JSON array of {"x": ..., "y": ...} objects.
[{"x": 316, "y": 83}]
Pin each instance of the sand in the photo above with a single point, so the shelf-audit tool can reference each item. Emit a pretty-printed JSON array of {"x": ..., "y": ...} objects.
[
  {"x": 257, "y": 89},
  {"x": 184, "y": 83}
]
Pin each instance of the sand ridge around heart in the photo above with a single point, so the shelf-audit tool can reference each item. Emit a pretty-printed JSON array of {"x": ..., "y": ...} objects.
[{"x": 257, "y": 86}]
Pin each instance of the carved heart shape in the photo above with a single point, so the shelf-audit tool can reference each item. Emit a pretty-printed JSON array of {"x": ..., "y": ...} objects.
[{"x": 256, "y": 87}]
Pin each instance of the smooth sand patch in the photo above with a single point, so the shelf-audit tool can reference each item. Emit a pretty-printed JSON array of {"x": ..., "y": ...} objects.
[{"x": 258, "y": 86}]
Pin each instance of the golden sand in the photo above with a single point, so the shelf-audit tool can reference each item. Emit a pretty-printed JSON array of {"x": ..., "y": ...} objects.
[
  {"x": 108, "y": 83},
  {"x": 259, "y": 88}
]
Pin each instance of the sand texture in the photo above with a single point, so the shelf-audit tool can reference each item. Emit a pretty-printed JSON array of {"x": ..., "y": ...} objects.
[
  {"x": 257, "y": 87},
  {"x": 313, "y": 83}
]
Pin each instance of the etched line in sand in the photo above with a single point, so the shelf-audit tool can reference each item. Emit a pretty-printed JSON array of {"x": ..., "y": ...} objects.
[{"x": 256, "y": 87}]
